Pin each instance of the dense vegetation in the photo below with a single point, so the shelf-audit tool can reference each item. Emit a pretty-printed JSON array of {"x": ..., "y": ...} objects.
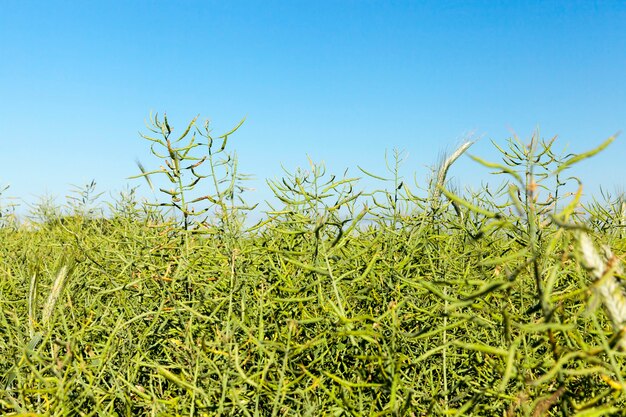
[{"x": 337, "y": 302}]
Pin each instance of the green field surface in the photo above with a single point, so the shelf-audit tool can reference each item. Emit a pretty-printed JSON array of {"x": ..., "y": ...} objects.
[{"x": 336, "y": 301}]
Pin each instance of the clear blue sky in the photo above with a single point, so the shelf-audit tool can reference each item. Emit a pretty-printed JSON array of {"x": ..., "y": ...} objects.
[{"x": 339, "y": 81}]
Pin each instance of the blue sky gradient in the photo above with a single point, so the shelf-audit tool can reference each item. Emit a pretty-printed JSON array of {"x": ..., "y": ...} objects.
[{"x": 339, "y": 81}]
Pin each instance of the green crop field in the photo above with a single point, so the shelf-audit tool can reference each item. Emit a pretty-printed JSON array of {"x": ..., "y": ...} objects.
[{"x": 395, "y": 301}]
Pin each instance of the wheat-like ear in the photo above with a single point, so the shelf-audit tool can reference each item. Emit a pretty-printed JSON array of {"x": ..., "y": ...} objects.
[
  {"x": 442, "y": 172},
  {"x": 622, "y": 219},
  {"x": 604, "y": 269},
  {"x": 32, "y": 300},
  {"x": 445, "y": 165},
  {"x": 62, "y": 275}
]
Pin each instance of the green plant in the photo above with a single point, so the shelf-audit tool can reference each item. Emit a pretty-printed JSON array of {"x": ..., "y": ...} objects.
[
  {"x": 184, "y": 169},
  {"x": 339, "y": 301},
  {"x": 7, "y": 210},
  {"x": 534, "y": 246}
]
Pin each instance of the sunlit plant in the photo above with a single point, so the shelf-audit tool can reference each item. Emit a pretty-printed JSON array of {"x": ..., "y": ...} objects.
[{"x": 198, "y": 169}]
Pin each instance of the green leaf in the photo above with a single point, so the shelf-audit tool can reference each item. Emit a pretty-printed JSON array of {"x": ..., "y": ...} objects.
[
  {"x": 493, "y": 165},
  {"x": 580, "y": 157},
  {"x": 467, "y": 204},
  {"x": 369, "y": 174}
]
